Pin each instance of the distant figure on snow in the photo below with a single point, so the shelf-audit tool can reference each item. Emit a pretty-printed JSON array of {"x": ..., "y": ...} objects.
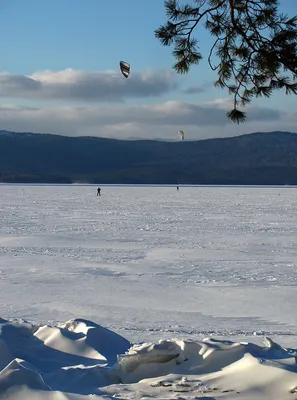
[
  {"x": 177, "y": 188},
  {"x": 99, "y": 192}
]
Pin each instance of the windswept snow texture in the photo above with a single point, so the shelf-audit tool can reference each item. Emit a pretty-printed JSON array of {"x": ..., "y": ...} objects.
[
  {"x": 83, "y": 360},
  {"x": 152, "y": 262}
]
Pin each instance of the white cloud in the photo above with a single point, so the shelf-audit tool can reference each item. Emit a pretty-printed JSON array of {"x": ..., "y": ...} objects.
[
  {"x": 161, "y": 120},
  {"x": 144, "y": 121},
  {"x": 96, "y": 86}
]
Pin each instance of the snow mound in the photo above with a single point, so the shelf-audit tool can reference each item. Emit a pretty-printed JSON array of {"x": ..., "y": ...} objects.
[{"x": 82, "y": 360}]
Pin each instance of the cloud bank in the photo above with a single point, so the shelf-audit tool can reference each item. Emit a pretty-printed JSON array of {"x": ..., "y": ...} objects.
[
  {"x": 160, "y": 121},
  {"x": 99, "y": 86},
  {"x": 95, "y": 107}
]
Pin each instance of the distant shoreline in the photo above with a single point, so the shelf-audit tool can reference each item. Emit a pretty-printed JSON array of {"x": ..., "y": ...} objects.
[{"x": 143, "y": 185}]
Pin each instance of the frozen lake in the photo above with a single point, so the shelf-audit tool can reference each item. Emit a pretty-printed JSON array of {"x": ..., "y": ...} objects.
[{"x": 151, "y": 262}]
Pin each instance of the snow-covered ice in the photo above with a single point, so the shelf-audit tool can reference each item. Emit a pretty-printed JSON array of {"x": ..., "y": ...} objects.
[{"x": 147, "y": 264}]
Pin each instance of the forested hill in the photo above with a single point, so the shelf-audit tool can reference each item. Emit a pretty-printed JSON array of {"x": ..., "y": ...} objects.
[{"x": 258, "y": 158}]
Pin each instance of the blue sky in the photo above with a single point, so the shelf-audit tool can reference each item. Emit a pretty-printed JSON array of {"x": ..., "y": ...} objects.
[
  {"x": 91, "y": 36},
  {"x": 87, "y": 35}
]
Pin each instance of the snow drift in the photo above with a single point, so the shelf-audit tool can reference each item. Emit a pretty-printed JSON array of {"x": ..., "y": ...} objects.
[{"x": 81, "y": 360}]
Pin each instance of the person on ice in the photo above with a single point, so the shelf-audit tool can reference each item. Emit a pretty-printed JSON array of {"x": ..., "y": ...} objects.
[{"x": 99, "y": 192}]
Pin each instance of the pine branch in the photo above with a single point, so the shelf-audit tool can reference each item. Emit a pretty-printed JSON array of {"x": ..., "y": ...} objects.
[{"x": 254, "y": 42}]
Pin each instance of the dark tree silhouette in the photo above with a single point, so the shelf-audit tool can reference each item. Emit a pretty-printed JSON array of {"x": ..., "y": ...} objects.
[{"x": 253, "y": 51}]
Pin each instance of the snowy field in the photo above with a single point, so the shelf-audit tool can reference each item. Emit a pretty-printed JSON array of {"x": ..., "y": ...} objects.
[
  {"x": 150, "y": 263},
  {"x": 146, "y": 260}
]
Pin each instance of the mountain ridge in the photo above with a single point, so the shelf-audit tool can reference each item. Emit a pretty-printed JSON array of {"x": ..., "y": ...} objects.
[{"x": 262, "y": 158}]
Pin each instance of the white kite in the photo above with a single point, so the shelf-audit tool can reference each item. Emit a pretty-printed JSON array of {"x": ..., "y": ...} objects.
[{"x": 181, "y": 134}]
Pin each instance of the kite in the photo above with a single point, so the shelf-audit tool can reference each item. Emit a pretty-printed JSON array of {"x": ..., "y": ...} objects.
[
  {"x": 125, "y": 68},
  {"x": 181, "y": 134}
]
